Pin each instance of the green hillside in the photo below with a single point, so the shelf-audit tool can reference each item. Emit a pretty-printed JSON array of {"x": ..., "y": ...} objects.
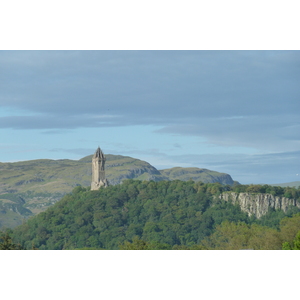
[
  {"x": 196, "y": 174},
  {"x": 50, "y": 176},
  {"x": 41, "y": 183},
  {"x": 155, "y": 215}
]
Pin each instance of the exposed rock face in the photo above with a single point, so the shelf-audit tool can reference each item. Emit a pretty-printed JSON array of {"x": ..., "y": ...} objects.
[{"x": 259, "y": 204}]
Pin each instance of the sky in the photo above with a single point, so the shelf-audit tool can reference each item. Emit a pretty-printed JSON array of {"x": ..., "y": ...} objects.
[{"x": 235, "y": 112}]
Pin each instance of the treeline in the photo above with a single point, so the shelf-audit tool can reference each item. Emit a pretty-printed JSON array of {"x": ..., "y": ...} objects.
[
  {"x": 233, "y": 236},
  {"x": 157, "y": 215},
  {"x": 288, "y": 192}
]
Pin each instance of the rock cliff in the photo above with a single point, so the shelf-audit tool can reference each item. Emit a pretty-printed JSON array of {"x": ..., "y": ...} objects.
[{"x": 259, "y": 204}]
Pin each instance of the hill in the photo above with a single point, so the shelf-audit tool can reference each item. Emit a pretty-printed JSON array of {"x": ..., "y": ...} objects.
[
  {"x": 291, "y": 184},
  {"x": 196, "y": 174},
  {"x": 163, "y": 215},
  {"x": 41, "y": 183}
]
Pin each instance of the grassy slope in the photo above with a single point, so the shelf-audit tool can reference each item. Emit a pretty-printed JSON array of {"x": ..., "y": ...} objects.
[
  {"x": 196, "y": 174},
  {"x": 50, "y": 176},
  {"x": 61, "y": 176},
  {"x": 9, "y": 219}
]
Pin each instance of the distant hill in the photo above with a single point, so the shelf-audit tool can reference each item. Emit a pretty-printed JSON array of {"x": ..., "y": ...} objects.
[
  {"x": 290, "y": 184},
  {"x": 196, "y": 174},
  {"x": 37, "y": 184}
]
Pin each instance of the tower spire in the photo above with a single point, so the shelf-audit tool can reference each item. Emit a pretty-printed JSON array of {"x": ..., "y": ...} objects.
[{"x": 98, "y": 170}]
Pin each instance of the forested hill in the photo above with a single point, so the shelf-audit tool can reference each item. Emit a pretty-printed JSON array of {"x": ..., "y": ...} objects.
[
  {"x": 30, "y": 187},
  {"x": 156, "y": 215}
]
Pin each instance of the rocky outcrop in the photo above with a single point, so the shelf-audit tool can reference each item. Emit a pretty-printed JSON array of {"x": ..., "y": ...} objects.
[
  {"x": 23, "y": 182},
  {"x": 259, "y": 204},
  {"x": 15, "y": 206}
]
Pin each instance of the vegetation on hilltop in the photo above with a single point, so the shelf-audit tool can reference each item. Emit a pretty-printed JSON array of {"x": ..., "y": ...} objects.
[{"x": 157, "y": 215}]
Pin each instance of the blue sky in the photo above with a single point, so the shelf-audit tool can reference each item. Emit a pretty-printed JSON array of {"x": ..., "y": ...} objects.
[{"x": 230, "y": 111}]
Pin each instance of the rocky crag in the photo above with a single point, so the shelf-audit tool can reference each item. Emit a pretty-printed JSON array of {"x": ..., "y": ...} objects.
[{"x": 259, "y": 204}]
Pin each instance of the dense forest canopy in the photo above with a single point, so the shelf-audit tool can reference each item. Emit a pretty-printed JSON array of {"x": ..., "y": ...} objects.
[{"x": 159, "y": 215}]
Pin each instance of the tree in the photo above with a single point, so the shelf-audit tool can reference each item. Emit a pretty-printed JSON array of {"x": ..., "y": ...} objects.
[
  {"x": 137, "y": 244},
  {"x": 231, "y": 235},
  {"x": 289, "y": 228},
  {"x": 7, "y": 243},
  {"x": 295, "y": 244}
]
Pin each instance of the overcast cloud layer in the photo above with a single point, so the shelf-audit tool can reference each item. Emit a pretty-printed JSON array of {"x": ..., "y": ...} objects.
[{"x": 236, "y": 109}]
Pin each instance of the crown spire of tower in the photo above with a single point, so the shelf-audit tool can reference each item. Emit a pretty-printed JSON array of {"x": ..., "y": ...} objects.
[{"x": 98, "y": 153}]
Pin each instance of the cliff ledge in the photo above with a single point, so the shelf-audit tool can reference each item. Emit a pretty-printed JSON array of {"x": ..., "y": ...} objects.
[{"x": 259, "y": 204}]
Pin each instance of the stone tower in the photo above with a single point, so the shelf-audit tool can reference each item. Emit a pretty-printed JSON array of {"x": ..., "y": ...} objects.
[{"x": 98, "y": 171}]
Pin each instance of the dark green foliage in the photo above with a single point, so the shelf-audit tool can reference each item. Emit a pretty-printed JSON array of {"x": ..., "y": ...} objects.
[
  {"x": 219, "y": 212},
  {"x": 136, "y": 214},
  {"x": 6, "y": 242},
  {"x": 160, "y": 213},
  {"x": 273, "y": 217},
  {"x": 288, "y": 192},
  {"x": 138, "y": 244}
]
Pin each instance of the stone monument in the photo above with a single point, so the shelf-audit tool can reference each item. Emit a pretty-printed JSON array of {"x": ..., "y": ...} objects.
[{"x": 98, "y": 171}]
